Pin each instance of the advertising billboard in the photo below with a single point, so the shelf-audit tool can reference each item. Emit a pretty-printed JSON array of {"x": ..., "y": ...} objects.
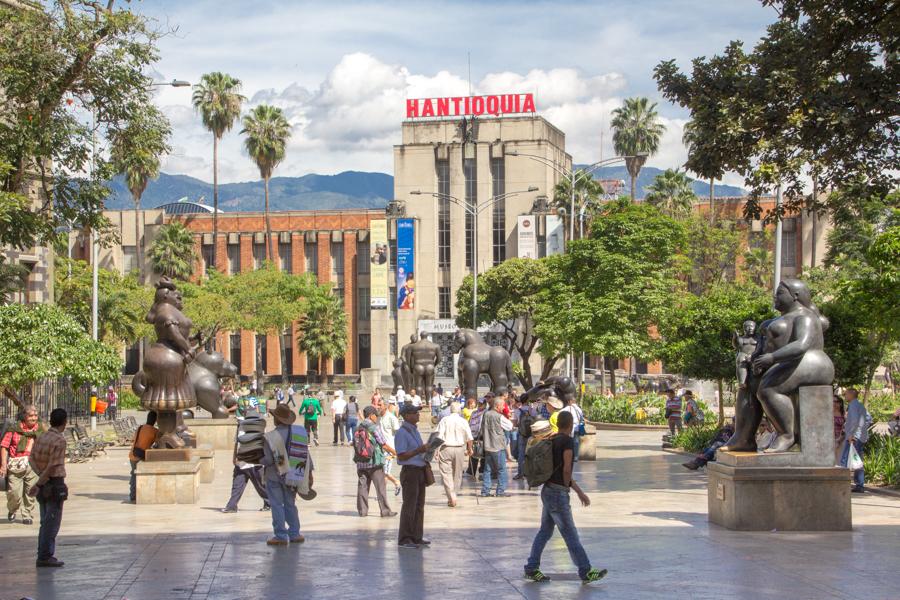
[
  {"x": 378, "y": 271},
  {"x": 527, "y": 237},
  {"x": 556, "y": 235},
  {"x": 406, "y": 252}
]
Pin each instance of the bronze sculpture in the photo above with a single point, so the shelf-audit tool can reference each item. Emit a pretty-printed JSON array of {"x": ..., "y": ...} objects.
[
  {"x": 398, "y": 375},
  {"x": 421, "y": 358},
  {"x": 477, "y": 357},
  {"x": 745, "y": 345},
  {"x": 166, "y": 387},
  {"x": 205, "y": 372},
  {"x": 561, "y": 387},
  {"x": 789, "y": 354}
]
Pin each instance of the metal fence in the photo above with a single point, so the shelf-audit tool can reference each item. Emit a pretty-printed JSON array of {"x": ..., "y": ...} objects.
[{"x": 53, "y": 393}]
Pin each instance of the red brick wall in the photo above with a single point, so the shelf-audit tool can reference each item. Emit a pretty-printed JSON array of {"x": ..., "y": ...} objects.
[
  {"x": 350, "y": 363},
  {"x": 198, "y": 260},
  {"x": 323, "y": 241},
  {"x": 221, "y": 257}
]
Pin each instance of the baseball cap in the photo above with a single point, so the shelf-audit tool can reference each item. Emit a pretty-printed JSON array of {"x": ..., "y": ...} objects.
[{"x": 409, "y": 407}]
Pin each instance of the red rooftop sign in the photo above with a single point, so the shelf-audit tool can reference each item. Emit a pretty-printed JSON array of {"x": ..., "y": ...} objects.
[{"x": 469, "y": 105}]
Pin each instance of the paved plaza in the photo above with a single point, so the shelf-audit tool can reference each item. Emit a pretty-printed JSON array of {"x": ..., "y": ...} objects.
[{"x": 647, "y": 524}]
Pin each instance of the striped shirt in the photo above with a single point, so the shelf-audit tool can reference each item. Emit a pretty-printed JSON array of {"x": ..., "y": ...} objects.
[
  {"x": 49, "y": 453},
  {"x": 673, "y": 405},
  {"x": 11, "y": 442}
]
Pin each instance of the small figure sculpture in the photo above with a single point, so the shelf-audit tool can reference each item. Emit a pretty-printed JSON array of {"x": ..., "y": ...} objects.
[
  {"x": 422, "y": 357},
  {"x": 561, "y": 387},
  {"x": 205, "y": 373},
  {"x": 745, "y": 345},
  {"x": 789, "y": 354},
  {"x": 397, "y": 375},
  {"x": 166, "y": 387},
  {"x": 477, "y": 357}
]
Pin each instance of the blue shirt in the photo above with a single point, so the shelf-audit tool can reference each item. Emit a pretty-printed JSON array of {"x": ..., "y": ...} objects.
[{"x": 407, "y": 438}]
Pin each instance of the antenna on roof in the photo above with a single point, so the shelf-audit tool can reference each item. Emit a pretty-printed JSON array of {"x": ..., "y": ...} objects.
[{"x": 469, "y": 61}]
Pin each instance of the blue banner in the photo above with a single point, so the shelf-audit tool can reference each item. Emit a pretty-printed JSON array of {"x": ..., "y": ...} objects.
[{"x": 406, "y": 248}]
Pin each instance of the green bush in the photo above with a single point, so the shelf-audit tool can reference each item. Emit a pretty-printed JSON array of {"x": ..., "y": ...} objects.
[
  {"x": 128, "y": 400},
  {"x": 695, "y": 439},
  {"x": 882, "y": 459},
  {"x": 882, "y": 406},
  {"x": 646, "y": 409}
]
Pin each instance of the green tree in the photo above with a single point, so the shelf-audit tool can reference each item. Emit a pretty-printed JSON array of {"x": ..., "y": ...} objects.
[
  {"x": 13, "y": 277},
  {"x": 137, "y": 150},
  {"x": 509, "y": 294},
  {"x": 587, "y": 194},
  {"x": 699, "y": 329},
  {"x": 711, "y": 251},
  {"x": 267, "y": 132},
  {"x": 217, "y": 97},
  {"x": 172, "y": 253},
  {"x": 40, "y": 341},
  {"x": 323, "y": 329},
  {"x": 672, "y": 192},
  {"x": 208, "y": 306},
  {"x": 758, "y": 260},
  {"x": 817, "y": 93},
  {"x": 636, "y": 130},
  {"x": 706, "y": 169},
  {"x": 61, "y": 62}
]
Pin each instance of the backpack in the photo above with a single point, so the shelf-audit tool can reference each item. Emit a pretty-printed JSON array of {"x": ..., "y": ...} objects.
[
  {"x": 310, "y": 409},
  {"x": 363, "y": 451},
  {"x": 525, "y": 422},
  {"x": 538, "y": 462}
]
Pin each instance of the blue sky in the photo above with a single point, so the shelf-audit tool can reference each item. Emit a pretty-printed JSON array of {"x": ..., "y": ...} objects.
[{"x": 342, "y": 70}]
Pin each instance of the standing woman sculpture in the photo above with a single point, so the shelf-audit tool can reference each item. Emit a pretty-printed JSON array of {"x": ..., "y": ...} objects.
[
  {"x": 167, "y": 388},
  {"x": 745, "y": 345},
  {"x": 793, "y": 356}
]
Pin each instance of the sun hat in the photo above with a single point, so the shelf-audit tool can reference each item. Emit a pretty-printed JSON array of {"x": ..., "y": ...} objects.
[
  {"x": 540, "y": 426},
  {"x": 448, "y": 394},
  {"x": 284, "y": 415},
  {"x": 555, "y": 402}
]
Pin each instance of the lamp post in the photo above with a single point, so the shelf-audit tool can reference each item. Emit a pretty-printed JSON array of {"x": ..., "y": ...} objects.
[
  {"x": 574, "y": 177},
  {"x": 474, "y": 211}
]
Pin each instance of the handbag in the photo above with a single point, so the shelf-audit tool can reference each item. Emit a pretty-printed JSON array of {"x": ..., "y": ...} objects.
[
  {"x": 429, "y": 475},
  {"x": 477, "y": 449}
]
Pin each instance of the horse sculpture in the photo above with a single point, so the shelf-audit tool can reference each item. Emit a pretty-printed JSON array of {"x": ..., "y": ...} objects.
[
  {"x": 477, "y": 357},
  {"x": 204, "y": 373}
]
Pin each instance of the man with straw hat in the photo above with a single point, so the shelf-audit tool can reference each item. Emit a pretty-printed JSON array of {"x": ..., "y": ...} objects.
[{"x": 283, "y": 498}]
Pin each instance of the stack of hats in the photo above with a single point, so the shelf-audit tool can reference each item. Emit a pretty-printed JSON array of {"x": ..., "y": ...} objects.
[{"x": 250, "y": 437}]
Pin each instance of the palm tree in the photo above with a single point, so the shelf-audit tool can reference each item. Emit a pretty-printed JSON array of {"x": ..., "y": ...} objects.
[
  {"x": 587, "y": 193},
  {"x": 323, "y": 329},
  {"x": 758, "y": 265},
  {"x": 636, "y": 130},
  {"x": 12, "y": 279},
  {"x": 672, "y": 192},
  {"x": 172, "y": 253},
  {"x": 267, "y": 134},
  {"x": 692, "y": 140},
  {"x": 136, "y": 153},
  {"x": 218, "y": 100}
]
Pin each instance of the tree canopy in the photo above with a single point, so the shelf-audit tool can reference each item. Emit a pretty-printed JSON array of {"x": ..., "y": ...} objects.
[
  {"x": 323, "y": 329},
  {"x": 172, "y": 253},
  {"x": 672, "y": 192}
]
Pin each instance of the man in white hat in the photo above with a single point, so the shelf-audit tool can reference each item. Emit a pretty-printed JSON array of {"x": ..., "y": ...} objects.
[
  {"x": 451, "y": 457},
  {"x": 282, "y": 499},
  {"x": 390, "y": 424},
  {"x": 554, "y": 405}
]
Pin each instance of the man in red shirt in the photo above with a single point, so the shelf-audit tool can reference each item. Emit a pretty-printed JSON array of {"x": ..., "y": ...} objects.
[{"x": 15, "y": 447}]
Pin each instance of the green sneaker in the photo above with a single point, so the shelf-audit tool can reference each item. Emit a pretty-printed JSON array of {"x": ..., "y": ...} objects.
[
  {"x": 594, "y": 575},
  {"x": 536, "y": 576}
]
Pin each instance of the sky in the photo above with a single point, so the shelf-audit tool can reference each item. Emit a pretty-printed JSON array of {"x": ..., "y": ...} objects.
[{"x": 342, "y": 70}]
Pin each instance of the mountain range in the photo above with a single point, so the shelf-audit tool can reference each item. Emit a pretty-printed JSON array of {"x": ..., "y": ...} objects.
[{"x": 347, "y": 190}]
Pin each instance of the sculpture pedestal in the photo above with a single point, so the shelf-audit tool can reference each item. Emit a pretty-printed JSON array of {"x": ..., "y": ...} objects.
[
  {"x": 207, "y": 456},
  {"x": 168, "y": 481},
  {"x": 788, "y": 491},
  {"x": 218, "y": 434},
  {"x": 369, "y": 380},
  {"x": 587, "y": 446}
]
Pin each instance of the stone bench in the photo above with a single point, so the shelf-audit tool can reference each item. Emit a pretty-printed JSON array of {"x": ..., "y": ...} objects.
[
  {"x": 207, "y": 455},
  {"x": 219, "y": 434},
  {"x": 168, "y": 481}
]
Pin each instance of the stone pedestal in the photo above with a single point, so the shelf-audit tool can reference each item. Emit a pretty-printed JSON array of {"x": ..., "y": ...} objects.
[
  {"x": 369, "y": 380},
  {"x": 168, "y": 482},
  {"x": 788, "y": 491},
  {"x": 216, "y": 433},
  {"x": 207, "y": 456},
  {"x": 587, "y": 447}
]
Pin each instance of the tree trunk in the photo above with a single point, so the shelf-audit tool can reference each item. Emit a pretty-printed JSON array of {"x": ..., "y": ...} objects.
[
  {"x": 721, "y": 405},
  {"x": 633, "y": 181},
  {"x": 812, "y": 237},
  {"x": 259, "y": 370},
  {"x": 11, "y": 394},
  {"x": 282, "y": 350},
  {"x": 612, "y": 380},
  {"x": 215, "y": 200},
  {"x": 268, "y": 224},
  {"x": 712, "y": 197},
  {"x": 602, "y": 379}
]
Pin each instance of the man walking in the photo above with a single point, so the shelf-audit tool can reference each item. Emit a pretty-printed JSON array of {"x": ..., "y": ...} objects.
[
  {"x": 370, "y": 468},
  {"x": 48, "y": 460},
  {"x": 557, "y": 511},
  {"x": 282, "y": 498},
  {"x": 290, "y": 394},
  {"x": 856, "y": 433},
  {"x": 244, "y": 472},
  {"x": 144, "y": 438},
  {"x": 494, "y": 450},
  {"x": 390, "y": 425},
  {"x": 338, "y": 416},
  {"x": 311, "y": 409},
  {"x": 15, "y": 448},
  {"x": 452, "y": 456},
  {"x": 410, "y": 451}
]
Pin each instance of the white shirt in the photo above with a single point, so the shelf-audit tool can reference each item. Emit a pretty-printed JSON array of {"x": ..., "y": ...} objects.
[
  {"x": 338, "y": 405},
  {"x": 505, "y": 424},
  {"x": 389, "y": 424},
  {"x": 577, "y": 415},
  {"x": 417, "y": 401},
  {"x": 454, "y": 430},
  {"x": 401, "y": 396}
]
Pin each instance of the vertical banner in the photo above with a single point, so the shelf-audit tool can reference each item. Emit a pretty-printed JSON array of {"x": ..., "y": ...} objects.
[
  {"x": 555, "y": 235},
  {"x": 378, "y": 273},
  {"x": 406, "y": 284},
  {"x": 527, "y": 237}
]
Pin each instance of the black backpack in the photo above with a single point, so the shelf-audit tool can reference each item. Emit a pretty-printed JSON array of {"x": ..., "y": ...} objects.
[{"x": 525, "y": 422}]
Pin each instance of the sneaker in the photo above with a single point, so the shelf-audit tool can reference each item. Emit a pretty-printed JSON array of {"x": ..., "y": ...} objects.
[
  {"x": 409, "y": 546},
  {"x": 483, "y": 495},
  {"x": 692, "y": 465},
  {"x": 518, "y": 477},
  {"x": 424, "y": 542},
  {"x": 316, "y": 442},
  {"x": 594, "y": 575},
  {"x": 390, "y": 514},
  {"x": 50, "y": 562},
  {"x": 265, "y": 508},
  {"x": 228, "y": 510},
  {"x": 27, "y": 521},
  {"x": 504, "y": 495},
  {"x": 536, "y": 576},
  {"x": 274, "y": 541},
  {"x": 298, "y": 540},
  {"x": 397, "y": 490},
  {"x": 857, "y": 489},
  {"x": 11, "y": 517}
]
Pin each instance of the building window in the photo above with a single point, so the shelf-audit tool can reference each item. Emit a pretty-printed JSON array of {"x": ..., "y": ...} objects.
[
  {"x": 284, "y": 257},
  {"x": 288, "y": 339},
  {"x": 443, "y": 178},
  {"x": 206, "y": 252},
  {"x": 392, "y": 301},
  {"x": 392, "y": 247},
  {"x": 498, "y": 177},
  {"x": 338, "y": 292},
  {"x": 234, "y": 259},
  {"x": 339, "y": 366},
  {"x": 392, "y": 340},
  {"x": 364, "y": 310},
  {"x": 365, "y": 351},
  {"x": 129, "y": 259},
  {"x": 312, "y": 257},
  {"x": 236, "y": 350},
  {"x": 362, "y": 258},
  {"x": 443, "y": 303},
  {"x": 261, "y": 347},
  {"x": 259, "y": 255},
  {"x": 337, "y": 263},
  {"x": 471, "y": 178},
  {"x": 789, "y": 242}
]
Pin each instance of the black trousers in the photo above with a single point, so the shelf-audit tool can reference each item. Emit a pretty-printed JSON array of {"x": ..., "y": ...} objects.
[
  {"x": 412, "y": 513},
  {"x": 51, "y": 519},
  {"x": 312, "y": 428},
  {"x": 339, "y": 429},
  {"x": 239, "y": 483}
]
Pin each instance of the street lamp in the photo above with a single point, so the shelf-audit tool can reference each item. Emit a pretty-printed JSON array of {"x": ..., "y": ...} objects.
[
  {"x": 173, "y": 83},
  {"x": 474, "y": 211}
]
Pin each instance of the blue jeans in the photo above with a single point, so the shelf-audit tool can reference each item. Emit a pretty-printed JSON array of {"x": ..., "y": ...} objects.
[
  {"x": 557, "y": 513},
  {"x": 494, "y": 465},
  {"x": 577, "y": 440},
  {"x": 132, "y": 484},
  {"x": 283, "y": 503},
  {"x": 520, "y": 456},
  {"x": 859, "y": 476},
  {"x": 352, "y": 422},
  {"x": 51, "y": 519}
]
